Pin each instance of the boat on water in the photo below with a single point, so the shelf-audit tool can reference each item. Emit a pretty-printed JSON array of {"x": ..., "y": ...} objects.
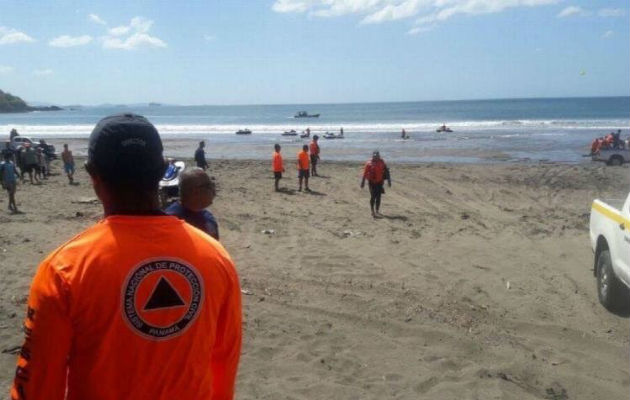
[
  {"x": 243, "y": 132},
  {"x": 304, "y": 114},
  {"x": 305, "y": 135},
  {"x": 443, "y": 128},
  {"x": 292, "y": 132}
]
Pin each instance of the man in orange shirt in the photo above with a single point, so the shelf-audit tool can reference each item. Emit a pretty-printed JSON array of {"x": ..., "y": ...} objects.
[
  {"x": 277, "y": 165},
  {"x": 303, "y": 168},
  {"x": 376, "y": 172},
  {"x": 139, "y": 306},
  {"x": 314, "y": 147}
]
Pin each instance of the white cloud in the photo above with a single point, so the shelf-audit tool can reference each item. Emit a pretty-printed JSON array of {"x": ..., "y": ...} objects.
[
  {"x": 5, "y": 69},
  {"x": 10, "y": 36},
  {"x": 96, "y": 19},
  {"x": 132, "y": 42},
  {"x": 70, "y": 41},
  {"x": 119, "y": 30},
  {"x": 426, "y": 12},
  {"x": 611, "y": 12},
  {"x": 573, "y": 11},
  {"x": 132, "y": 36},
  {"x": 607, "y": 34},
  {"x": 209, "y": 38},
  {"x": 43, "y": 72},
  {"x": 420, "y": 29}
]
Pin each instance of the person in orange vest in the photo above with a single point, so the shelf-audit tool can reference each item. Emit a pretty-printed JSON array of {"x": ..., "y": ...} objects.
[
  {"x": 139, "y": 306},
  {"x": 303, "y": 168},
  {"x": 277, "y": 166},
  {"x": 314, "y": 148},
  {"x": 376, "y": 172}
]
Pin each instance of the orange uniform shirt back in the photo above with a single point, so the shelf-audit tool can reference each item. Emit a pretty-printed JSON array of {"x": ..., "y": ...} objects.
[
  {"x": 314, "y": 148},
  {"x": 135, "y": 307},
  {"x": 303, "y": 161},
  {"x": 374, "y": 172},
  {"x": 276, "y": 162}
]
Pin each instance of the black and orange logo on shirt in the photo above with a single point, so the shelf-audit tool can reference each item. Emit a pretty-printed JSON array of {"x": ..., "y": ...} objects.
[{"x": 161, "y": 298}]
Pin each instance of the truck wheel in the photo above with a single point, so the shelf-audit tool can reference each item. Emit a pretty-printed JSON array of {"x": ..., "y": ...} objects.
[
  {"x": 613, "y": 295},
  {"x": 615, "y": 161}
]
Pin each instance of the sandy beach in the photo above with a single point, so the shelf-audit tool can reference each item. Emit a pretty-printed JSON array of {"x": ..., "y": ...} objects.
[{"x": 477, "y": 283}]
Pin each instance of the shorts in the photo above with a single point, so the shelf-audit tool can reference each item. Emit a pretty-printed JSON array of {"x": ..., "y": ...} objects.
[
  {"x": 68, "y": 168},
  {"x": 277, "y": 174},
  {"x": 9, "y": 186},
  {"x": 30, "y": 168},
  {"x": 304, "y": 173},
  {"x": 314, "y": 159}
]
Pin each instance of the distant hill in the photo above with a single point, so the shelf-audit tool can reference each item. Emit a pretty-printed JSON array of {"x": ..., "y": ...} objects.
[{"x": 14, "y": 104}]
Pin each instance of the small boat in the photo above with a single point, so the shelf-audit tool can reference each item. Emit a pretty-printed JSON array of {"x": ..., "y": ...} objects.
[
  {"x": 304, "y": 114},
  {"x": 305, "y": 135},
  {"x": 292, "y": 132},
  {"x": 443, "y": 128},
  {"x": 243, "y": 132}
]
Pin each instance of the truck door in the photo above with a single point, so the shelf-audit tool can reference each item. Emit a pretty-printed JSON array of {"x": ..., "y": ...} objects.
[{"x": 622, "y": 239}]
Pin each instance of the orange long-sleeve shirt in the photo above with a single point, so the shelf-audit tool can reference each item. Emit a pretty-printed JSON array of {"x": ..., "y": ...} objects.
[{"x": 135, "y": 307}]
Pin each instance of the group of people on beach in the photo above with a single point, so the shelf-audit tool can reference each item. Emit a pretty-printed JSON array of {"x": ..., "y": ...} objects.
[
  {"x": 34, "y": 160},
  {"x": 141, "y": 282}
]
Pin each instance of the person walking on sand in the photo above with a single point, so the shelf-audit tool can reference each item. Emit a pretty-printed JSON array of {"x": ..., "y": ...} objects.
[
  {"x": 314, "y": 149},
  {"x": 8, "y": 177},
  {"x": 68, "y": 163},
  {"x": 277, "y": 165},
  {"x": 200, "y": 156},
  {"x": 376, "y": 172},
  {"x": 40, "y": 171},
  {"x": 196, "y": 191},
  {"x": 139, "y": 306},
  {"x": 303, "y": 168}
]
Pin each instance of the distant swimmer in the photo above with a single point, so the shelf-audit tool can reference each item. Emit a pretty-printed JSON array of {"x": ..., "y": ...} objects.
[
  {"x": 376, "y": 172},
  {"x": 314, "y": 148},
  {"x": 277, "y": 166},
  {"x": 303, "y": 168}
]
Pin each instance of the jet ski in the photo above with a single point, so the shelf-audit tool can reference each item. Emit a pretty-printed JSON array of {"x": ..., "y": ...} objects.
[
  {"x": 305, "y": 135},
  {"x": 329, "y": 135},
  {"x": 243, "y": 132},
  {"x": 290, "y": 133},
  {"x": 169, "y": 185}
]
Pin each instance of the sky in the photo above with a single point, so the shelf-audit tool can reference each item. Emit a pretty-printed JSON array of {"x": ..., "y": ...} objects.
[{"x": 311, "y": 51}]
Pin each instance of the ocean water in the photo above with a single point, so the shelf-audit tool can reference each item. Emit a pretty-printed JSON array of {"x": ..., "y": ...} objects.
[{"x": 509, "y": 130}]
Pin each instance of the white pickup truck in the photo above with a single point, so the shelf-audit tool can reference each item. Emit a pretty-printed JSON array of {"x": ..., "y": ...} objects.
[{"x": 610, "y": 240}]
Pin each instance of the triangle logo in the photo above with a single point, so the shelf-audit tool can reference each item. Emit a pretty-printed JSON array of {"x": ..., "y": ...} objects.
[{"x": 163, "y": 296}]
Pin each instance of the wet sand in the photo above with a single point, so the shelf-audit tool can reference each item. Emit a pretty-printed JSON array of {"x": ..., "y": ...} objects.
[{"x": 477, "y": 283}]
